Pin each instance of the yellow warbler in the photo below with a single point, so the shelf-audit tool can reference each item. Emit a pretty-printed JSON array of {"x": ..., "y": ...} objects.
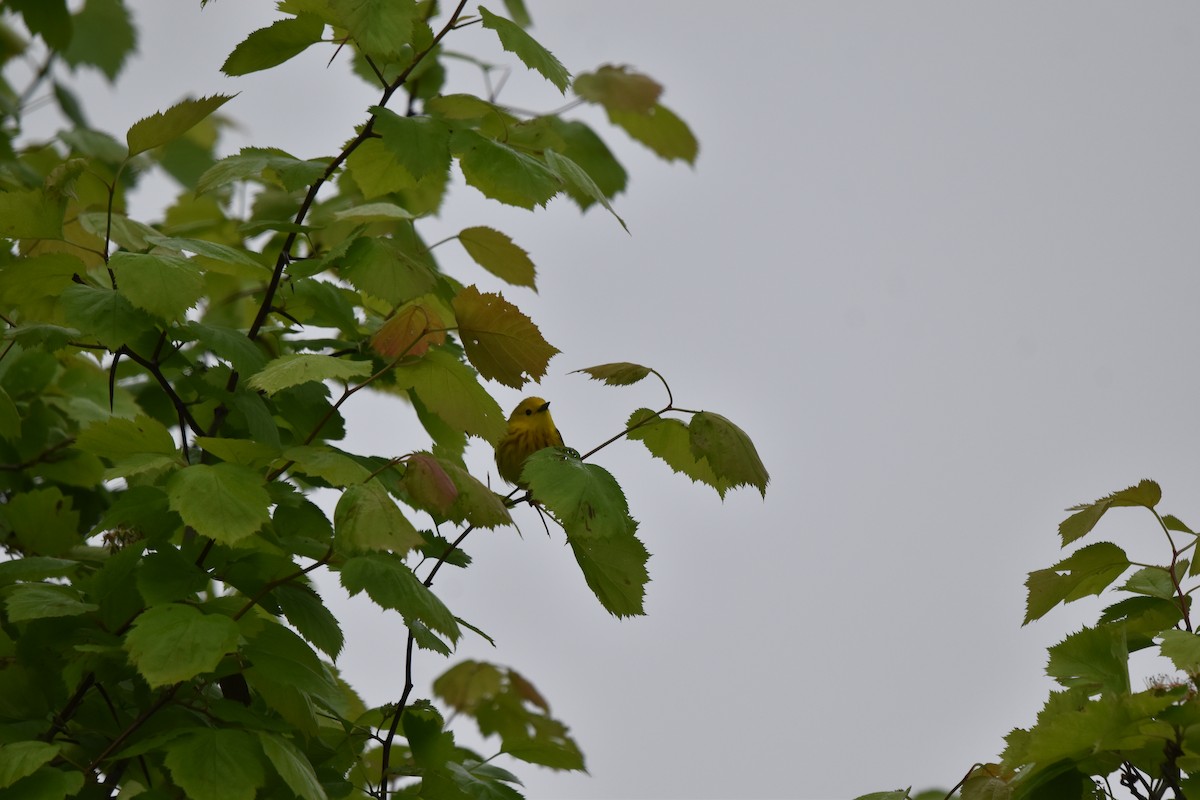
[{"x": 530, "y": 428}]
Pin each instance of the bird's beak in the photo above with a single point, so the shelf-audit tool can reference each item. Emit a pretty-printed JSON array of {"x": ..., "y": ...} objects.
[{"x": 544, "y": 407}]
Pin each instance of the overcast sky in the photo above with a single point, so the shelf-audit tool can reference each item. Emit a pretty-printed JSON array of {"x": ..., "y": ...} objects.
[{"x": 936, "y": 258}]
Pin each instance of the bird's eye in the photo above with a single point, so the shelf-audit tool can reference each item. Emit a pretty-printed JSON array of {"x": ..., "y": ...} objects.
[{"x": 529, "y": 412}]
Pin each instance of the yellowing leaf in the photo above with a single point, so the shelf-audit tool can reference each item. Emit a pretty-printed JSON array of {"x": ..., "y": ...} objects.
[
  {"x": 660, "y": 130},
  {"x": 619, "y": 373},
  {"x": 619, "y": 89},
  {"x": 166, "y": 126},
  {"x": 412, "y": 330},
  {"x": 502, "y": 343},
  {"x": 498, "y": 254}
]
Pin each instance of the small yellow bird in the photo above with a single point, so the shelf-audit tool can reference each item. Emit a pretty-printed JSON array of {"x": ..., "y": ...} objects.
[{"x": 530, "y": 428}]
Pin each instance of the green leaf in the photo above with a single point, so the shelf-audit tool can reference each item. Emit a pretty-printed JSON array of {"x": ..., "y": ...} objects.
[
  {"x": 367, "y": 519},
  {"x": 1183, "y": 648},
  {"x": 10, "y": 418},
  {"x": 294, "y": 369},
  {"x": 116, "y": 438},
  {"x": 166, "y": 286},
  {"x": 502, "y": 343},
  {"x": 475, "y": 503},
  {"x": 373, "y": 212},
  {"x": 503, "y": 173},
  {"x": 1146, "y": 493},
  {"x": 376, "y": 171},
  {"x": 166, "y": 126},
  {"x": 26, "y": 601},
  {"x": 728, "y": 451},
  {"x": 379, "y": 27},
  {"x": 104, "y": 314},
  {"x": 48, "y": 783},
  {"x": 619, "y": 373},
  {"x": 327, "y": 463},
  {"x": 1087, "y": 571},
  {"x": 389, "y": 582},
  {"x": 269, "y": 165},
  {"x": 175, "y": 642},
  {"x": 615, "y": 570},
  {"x": 18, "y": 759},
  {"x": 498, "y": 254},
  {"x": 660, "y": 130},
  {"x": 448, "y": 388},
  {"x": 46, "y": 18},
  {"x": 35, "y": 568},
  {"x": 31, "y": 214},
  {"x": 107, "y": 37},
  {"x": 128, "y": 233},
  {"x": 69, "y": 105},
  {"x": 167, "y": 575},
  {"x": 310, "y": 617},
  {"x": 224, "y": 502},
  {"x": 247, "y": 452},
  {"x": 216, "y": 764},
  {"x": 518, "y": 13},
  {"x": 271, "y": 46},
  {"x": 292, "y": 765},
  {"x": 227, "y": 344},
  {"x": 421, "y": 145},
  {"x": 576, "y": 177},
  {"x": 43, "y": 520},
  {"x": 46, "y": 275},
  {"x": 668, "y": 439},
  {"x": 585, "y": 148},
  {"x": 214, "y": 250},
  {"x": 1075, "y": 730},
  {"x": 1094, "y": 658},
  {"x": 283, "y": 655},
  {"x": 526, "y": 48},
  {"x": 1153, "y": 582},
  {"x": 380, "y": 267},
  {"x": 584, "y": 498},
  {"x": 617, "y": 88}
]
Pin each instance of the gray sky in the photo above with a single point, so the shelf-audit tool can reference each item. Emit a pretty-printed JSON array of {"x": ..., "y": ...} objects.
[{"x": 936, "y": 258}]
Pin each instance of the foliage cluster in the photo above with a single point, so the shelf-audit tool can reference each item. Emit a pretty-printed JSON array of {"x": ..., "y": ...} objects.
[
  {"x": 171, "y": 392},
  {"x": 1096, "y": 737}
]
